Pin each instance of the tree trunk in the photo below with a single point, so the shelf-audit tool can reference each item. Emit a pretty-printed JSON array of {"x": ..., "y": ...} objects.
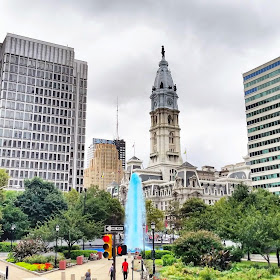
[
  {"x": 278, "y": 258},
  {"x": 248, "y": 254}
]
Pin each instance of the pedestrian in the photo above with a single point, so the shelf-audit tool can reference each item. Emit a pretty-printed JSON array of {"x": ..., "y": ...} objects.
[
  {"x": 125, "y": 269},
  {"x": 111, "y": 271},
  {"x": 88, "y": 275}
]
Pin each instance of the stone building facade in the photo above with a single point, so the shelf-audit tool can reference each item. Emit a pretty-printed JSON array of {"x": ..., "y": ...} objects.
[{"x": 168, "y": 178}]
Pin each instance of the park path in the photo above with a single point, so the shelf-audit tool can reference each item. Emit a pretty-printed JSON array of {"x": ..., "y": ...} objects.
[{"x": 99, "y": 270}]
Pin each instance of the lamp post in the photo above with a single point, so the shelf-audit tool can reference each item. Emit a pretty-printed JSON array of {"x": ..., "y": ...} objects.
[
  {"x": 173, "y": 227},
  {"x": 144, "y": 249},
  {"x": 153, "y": 226},
  {"x": 13, "y": 227},
  {"x": 57, "y": 230}
]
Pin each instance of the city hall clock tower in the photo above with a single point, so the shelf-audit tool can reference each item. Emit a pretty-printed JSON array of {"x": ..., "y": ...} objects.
[{"x": 165, "y": 148}]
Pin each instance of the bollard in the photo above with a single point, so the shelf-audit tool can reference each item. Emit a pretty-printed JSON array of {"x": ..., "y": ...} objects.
[
  {"x": 72, "y": 276},
  {"x": 63, "y": 277},
  {"x": 83, "y": 277}
]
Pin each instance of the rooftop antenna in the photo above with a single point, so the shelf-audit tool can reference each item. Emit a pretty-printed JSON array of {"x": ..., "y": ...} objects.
[{"x": 117, "y": 118}]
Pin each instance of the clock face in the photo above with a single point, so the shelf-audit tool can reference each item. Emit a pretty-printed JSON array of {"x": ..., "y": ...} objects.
[{"x": 169, "y": 101}]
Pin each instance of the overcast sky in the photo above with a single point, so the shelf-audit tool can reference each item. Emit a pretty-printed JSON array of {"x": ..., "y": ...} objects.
[{"x": 209, "y": 44}]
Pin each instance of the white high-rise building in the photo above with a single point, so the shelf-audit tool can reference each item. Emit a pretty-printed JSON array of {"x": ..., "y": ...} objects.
[
  {"x": 262, "y": 101},
  {"x": 43, "y": 93}
]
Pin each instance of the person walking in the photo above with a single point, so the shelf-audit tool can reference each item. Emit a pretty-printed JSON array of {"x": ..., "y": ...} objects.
[
  {"x": 125, "y": 269},
  {"x": 111, "y": 271},
  {"x": 88, "y": 275}
]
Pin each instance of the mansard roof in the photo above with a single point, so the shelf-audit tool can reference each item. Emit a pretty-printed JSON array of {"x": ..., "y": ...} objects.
[{"x": 187, "y": 164}]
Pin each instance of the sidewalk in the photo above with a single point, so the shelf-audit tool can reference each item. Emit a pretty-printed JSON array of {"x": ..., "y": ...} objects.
[{"x": 99, "y": 270}]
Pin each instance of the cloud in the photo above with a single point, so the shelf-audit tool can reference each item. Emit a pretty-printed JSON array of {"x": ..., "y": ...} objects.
[{"x": 209, "y": 44}]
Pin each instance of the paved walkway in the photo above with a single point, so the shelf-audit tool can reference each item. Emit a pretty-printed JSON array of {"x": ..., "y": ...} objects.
[{"x": 99, "y": 270}]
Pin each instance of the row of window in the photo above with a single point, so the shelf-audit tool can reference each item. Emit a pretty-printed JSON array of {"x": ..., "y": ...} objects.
[
  {"x": 265, "y": 168},
  {"x": 39, "y": 64},
  {"x": 21, "y": 74},
  {"x": 261, "y": 152},
  {"x": 35, "y": 146},
  {"x": 263, "y": 126},
  {"x": 264, "y": 143},
  {"x": 271, "y": 185},
  {"x": 7, "y": 163},
  {"x": 275, "y": 97},
  {"x": 266, "y": 177},
  {"x": 271, "y": 107},
  {"x": 270, "y": 116},
  {"x": 267, "y": 159},
  {"x": 277, "y": 80},
  {"x": 271, "y": 66},
  {"x": 39, "y": 83},
  {"x": 264, "y": 93},
  {"x": 33, "y": 155},
  {"x": 264, "y": 134},
  {"x": 270, "y": 75}
]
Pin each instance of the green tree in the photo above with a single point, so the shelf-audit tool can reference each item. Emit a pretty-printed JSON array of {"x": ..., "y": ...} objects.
[
  {"x": 4, "y": 177},
  {"x": 193, "y": 207},
  {"x": 73, "y": 226},
  {"x": 175, "y": 217},
  {"x": 101, "y": 207},
  {"x": 72, "y": 198},
  {"x": 154, "y": 215},
  {"x": 14, "y": 216},
  {"x": 40, "y": 201}
]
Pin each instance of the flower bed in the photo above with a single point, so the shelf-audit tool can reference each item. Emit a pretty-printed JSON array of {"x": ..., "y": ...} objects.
[{"x": 36, "y": 266}]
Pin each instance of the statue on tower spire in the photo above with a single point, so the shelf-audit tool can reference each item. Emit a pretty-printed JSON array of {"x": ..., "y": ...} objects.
[{"x": 162, "y": 51}]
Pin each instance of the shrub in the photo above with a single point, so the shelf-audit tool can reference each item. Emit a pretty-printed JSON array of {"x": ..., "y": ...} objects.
[
  {"x": 6, "y": 246},
  {"x": 29, "y": 247},
  {"x": 158, "y": 254},
  {"x": 193, "y": 245},
  {"x": 236, "y": 253},
  {"x": 167, "y": 247},
  {"x": 168, "y": 260},
  {"x": 75, "y": 253},
  {"x": 35, "y": 259},
  {"x": 219, "y": 260},
  {"x": 51, "y": 259},
  {"x": 65, "y": 248}
]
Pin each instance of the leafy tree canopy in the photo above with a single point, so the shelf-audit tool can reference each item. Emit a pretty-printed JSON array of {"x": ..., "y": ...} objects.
[
  {"x": 40, "y": 201},
  {"x": 154, "y": 215},
  {"x": 193, "y": 207}
]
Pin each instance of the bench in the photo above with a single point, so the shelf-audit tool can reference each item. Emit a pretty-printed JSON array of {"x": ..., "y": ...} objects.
[{"x": 85, "y": 259}]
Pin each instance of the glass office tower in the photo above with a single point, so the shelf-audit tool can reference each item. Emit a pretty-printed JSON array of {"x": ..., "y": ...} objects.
[
  {"x": 262, "y": 101},
  {"x": 43, "y": 94}
]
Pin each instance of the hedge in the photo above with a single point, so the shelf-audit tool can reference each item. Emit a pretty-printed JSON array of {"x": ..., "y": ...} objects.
[
  {"x": 6, "y": 246},
  {"x": 158, "y": 254},
  {"x": 167, "y": 247},
  {"x": 65, "y": 248},
  {"x": 75, "y": 253}
]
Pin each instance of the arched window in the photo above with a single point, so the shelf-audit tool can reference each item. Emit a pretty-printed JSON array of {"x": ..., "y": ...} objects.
[
  {"x": 161, "y": 85},
  {"x": 155, "y": 138},
  {"x": 171, "y": 139},
  {"x": 169, "y": 119}
]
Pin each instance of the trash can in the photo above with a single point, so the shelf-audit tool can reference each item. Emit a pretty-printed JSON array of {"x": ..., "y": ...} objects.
[
  {"x": 100, "y": 254},
  {"x": 80, "y": 260},
  {"x": 62, "y": 265}
]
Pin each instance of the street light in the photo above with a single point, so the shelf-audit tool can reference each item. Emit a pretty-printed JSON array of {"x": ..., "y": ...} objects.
[
  {"x": 153, "y": 226},
  {"x": 13, "y": 227},
  {"x": 173, "y": 227},
  {"x": 57, "y": 230},
  {"x": 144, "y": 250}
]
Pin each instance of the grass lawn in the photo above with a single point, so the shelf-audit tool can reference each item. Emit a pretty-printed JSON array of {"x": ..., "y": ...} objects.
[{"x": 254, "y": 264}]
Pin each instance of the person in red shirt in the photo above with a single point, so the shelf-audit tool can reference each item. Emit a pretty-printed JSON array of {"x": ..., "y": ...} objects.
[{"x": 125, "y": 269}]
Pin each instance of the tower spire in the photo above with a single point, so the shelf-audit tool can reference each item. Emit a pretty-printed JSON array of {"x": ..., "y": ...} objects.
[
  {"x": 162, "y": 51},
  {"x": 117, "y": 118}
]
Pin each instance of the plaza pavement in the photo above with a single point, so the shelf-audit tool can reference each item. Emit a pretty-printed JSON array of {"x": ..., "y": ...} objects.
[{"x": 99, "y": 270}]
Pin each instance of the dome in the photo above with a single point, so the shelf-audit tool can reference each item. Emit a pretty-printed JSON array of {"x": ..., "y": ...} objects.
[{"x": 163, "y": 77}]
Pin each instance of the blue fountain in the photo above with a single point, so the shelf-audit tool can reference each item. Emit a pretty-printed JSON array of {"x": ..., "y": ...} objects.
[{"x": 135, "y": 215}]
